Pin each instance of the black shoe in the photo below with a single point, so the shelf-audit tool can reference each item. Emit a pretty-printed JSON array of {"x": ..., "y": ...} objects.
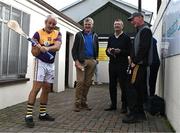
[
  {"x": 110, "y": 109},
  {"x": 129, "y": 119},
  {"x": 123, "y": 107},
  {"x": 141, "y": 116},
  {"x": 29, "y": 122},
  {"x": 46, "y": 117},
  {"x": 123, "y": 110}
]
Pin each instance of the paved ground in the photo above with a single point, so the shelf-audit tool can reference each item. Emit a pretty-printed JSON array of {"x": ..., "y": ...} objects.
[{"x": 97, "y": 120}]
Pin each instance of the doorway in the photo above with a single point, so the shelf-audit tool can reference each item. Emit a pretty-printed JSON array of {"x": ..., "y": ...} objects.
[{"x": 67, "y": 59}]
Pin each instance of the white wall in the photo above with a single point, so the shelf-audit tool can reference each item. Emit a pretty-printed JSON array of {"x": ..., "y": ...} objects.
[
  {"x": 18, "y": 92},
  {"x": 72, "y": 69},
  {"x": 172, "y": 91},
  {"x": 103, "y": 71},
  {"x": 169, "y": 72}
]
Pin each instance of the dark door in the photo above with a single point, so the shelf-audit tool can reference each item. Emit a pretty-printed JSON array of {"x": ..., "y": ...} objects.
[{"x": 67, "y": 59}]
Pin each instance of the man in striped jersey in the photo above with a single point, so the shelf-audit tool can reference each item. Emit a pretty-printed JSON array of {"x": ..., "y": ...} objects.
[{"x": 48, "y": 40}]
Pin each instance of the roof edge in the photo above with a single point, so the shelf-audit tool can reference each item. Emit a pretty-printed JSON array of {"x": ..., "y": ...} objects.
[
  {"x": 71, "y": 5},
  {"x": 131, "y": 5},
  {"x": 57, "y": 12}
]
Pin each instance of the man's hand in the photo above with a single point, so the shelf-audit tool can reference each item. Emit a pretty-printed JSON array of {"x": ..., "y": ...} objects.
[
  {"x": 79, "y": 65},
  {"x": 129, "y": 60},
  {"x": 133, "y": 65},
  {"x": 113, "y": 51},
  {"x": 35, "y": 51},
  {"x": 117, "y": 51},
  {"x": 44, "y": 49},
  {"x": 109, "y": 50}
]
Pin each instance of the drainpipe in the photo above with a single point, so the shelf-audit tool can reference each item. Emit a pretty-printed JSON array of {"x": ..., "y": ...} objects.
[
  {"x": 158, "y": 5},
  {"x": 139, "y": 6}
]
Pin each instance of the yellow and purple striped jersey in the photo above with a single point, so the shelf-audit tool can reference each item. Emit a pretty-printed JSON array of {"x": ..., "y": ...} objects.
[{"x": 47, "y": 39}]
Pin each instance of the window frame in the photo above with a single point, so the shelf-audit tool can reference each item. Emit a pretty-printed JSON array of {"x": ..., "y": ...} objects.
[{"x": 20, "y": 74}]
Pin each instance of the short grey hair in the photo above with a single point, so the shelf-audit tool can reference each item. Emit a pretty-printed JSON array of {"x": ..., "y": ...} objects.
[
  {"x": 89, "y": 19},
  {"x": 121, "y": 22},
  {"x": 51, "y": 16}
]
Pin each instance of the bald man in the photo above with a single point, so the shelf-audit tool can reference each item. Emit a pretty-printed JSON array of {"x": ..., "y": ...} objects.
[{"x": 48, "y": 40}]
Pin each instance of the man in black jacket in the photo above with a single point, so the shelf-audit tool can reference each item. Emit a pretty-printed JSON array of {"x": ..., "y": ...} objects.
[
  {"x": 141, "y": 57},
  {"x": 84, "y": 53},
  {"x": 118, "y": 50}
]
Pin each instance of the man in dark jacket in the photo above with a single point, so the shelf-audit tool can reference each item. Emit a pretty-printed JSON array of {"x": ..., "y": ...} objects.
[
  {"x": 118, "y": 50},
  {"x": 84, "y": 53},
  {"x": 141, "y": 57}
]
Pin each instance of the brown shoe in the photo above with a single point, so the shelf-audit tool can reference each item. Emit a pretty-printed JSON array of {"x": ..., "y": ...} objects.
[
  {"x": 77, "y": 108},
  {"x": 85, "y": 106}
]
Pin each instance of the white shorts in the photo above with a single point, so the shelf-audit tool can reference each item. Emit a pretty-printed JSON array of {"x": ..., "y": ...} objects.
[{"x": 43, "y": 72}]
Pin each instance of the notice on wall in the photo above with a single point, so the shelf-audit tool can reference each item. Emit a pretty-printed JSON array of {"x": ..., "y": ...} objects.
[
  {"x": 102, "y": 54},
  {"x": 171, "y": 30}
]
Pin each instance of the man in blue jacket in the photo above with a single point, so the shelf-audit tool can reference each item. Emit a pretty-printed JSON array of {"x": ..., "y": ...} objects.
[{"x": 84, "y": 53}]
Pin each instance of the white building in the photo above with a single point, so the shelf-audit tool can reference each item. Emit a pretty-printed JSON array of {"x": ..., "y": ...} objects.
[
  {"x": 167, "y": 31},
  {"x": 16, "y": 61}
]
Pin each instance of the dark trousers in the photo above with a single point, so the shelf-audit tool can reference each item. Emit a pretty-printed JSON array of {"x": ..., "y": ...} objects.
[
  {"x": 152, "y": 78},
  {"x": 117, "y": 73},
  {"x": 137, "y": 92}
]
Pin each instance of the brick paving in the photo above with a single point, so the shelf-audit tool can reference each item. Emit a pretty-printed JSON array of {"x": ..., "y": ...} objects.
[{"x": 95, "y": 121}]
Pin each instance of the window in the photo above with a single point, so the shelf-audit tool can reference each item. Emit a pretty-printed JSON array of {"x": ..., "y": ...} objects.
[{"x": 13, "y": 47}]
